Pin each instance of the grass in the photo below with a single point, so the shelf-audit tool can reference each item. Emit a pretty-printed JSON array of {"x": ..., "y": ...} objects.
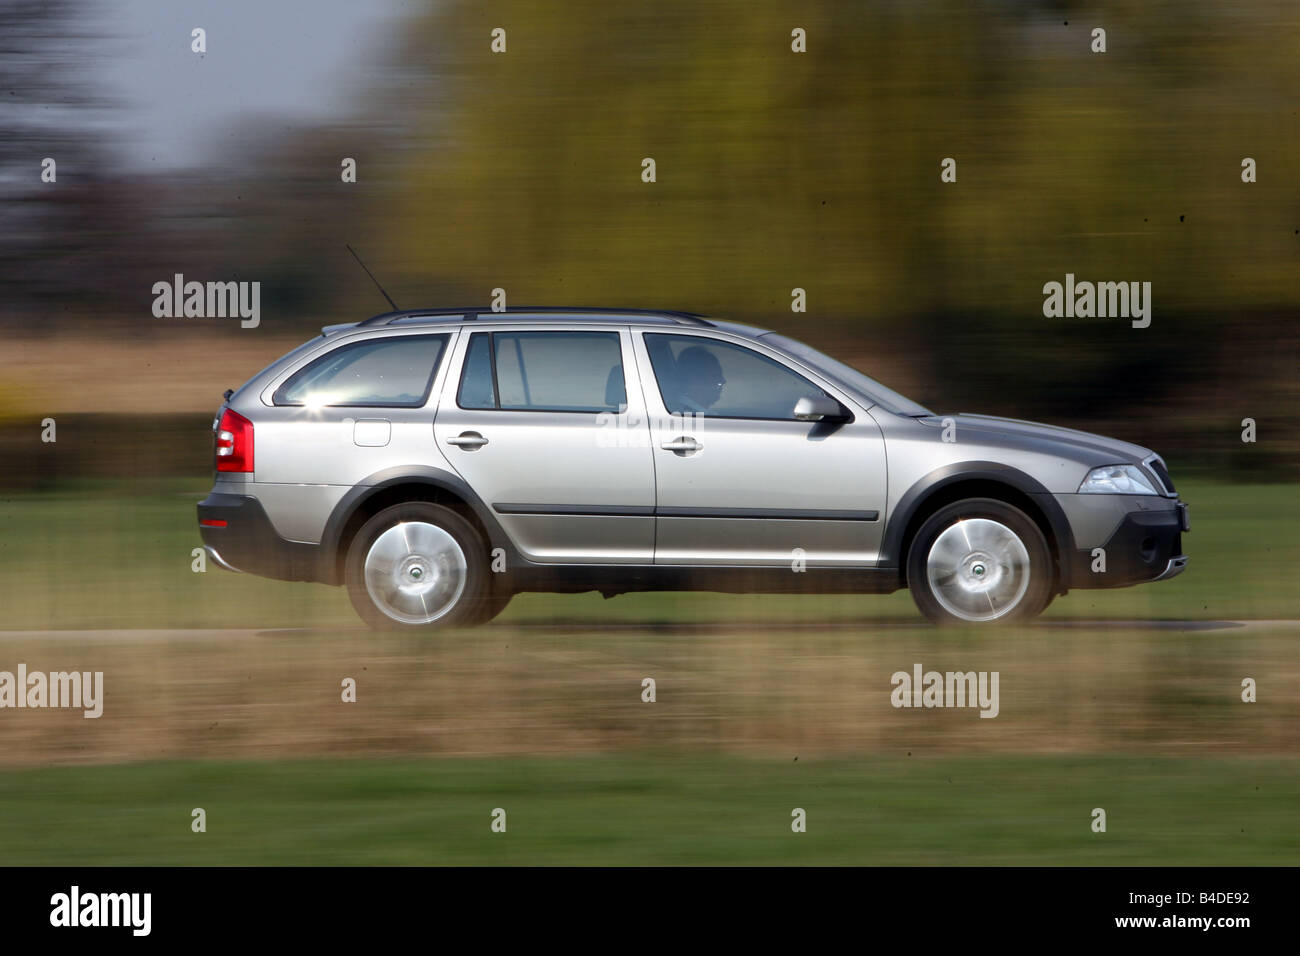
[
  {"x": 652, "y": 809},
  {"x": 114, "y": 554},
  {"x": 1145, "y": 722}
]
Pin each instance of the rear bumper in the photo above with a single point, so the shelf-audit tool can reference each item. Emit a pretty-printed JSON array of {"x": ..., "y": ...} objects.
[{"x": 239, "y": 536}]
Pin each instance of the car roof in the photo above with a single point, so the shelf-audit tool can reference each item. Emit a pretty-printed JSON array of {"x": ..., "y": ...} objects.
[{"x": 649, "y": 317}]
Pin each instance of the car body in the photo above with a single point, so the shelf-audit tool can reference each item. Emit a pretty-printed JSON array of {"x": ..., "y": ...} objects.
[{"x": 438, "y": 462}]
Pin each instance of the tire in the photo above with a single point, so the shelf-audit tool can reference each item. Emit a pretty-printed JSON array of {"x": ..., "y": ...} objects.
[
  {"x": 490, "y": 607},
  {"x": 417, "y": 565},
  {"x": 979, "y": 562}
]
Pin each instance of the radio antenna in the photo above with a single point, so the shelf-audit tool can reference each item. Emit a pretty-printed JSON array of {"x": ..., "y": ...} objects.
[{"x": 373, "y": 279}]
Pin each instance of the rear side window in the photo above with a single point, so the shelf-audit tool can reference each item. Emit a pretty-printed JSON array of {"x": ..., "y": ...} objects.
[
  {"x": 389, "y": 372},
  {"x": 544, "y": 371},
  {"x": 478, "y": 388}
]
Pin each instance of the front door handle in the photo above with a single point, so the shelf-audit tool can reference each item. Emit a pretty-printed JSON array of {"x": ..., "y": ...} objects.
[
  {"x": 685, "y": 443},
  {"x": 468, "y": 440}
]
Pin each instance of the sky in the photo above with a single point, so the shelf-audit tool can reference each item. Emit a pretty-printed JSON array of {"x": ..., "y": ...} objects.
[{"x": 269, "y": 59}]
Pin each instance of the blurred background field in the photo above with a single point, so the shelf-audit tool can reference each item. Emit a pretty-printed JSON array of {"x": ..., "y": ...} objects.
[
  {"x": 745, "y": 689},
  {"x": 117, "y": 554},
  {"x": 522, "y": 171},
  {"x": 775, "y": 170}
]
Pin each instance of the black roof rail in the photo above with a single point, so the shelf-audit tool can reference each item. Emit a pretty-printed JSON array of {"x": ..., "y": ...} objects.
[{"x": 470, "y": 314}]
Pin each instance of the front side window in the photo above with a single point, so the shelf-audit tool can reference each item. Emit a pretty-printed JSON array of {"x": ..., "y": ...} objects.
[
  {"x": 543, "y": 371},
  {"x": 389, "y": 372},
  {"x": 703, "y": 376}
]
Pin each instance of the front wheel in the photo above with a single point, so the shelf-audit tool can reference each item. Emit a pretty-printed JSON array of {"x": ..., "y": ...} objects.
[
  {"x": 417, "y": 564},
  {"x": 979, "y": 561}
]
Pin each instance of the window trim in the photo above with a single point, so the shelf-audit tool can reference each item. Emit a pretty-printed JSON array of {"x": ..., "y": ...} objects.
[
  {"x": 496, "y": 390},
  {"x": 444, "y": 337},
  {"x": 738, "y": 418}
]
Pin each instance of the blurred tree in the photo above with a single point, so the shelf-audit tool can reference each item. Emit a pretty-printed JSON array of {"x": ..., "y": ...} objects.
[
  {"x": 775, "y": 170},
  {"x": 50, "y": 110}
]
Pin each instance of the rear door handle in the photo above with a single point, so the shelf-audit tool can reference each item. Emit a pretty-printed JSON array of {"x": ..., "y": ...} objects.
[
  {"x": 468, "y": 440},
  {"x": 681, "y": 444}
]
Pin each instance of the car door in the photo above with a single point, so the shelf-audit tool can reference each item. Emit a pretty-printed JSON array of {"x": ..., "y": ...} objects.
[
  {"x": 547, "y": 425},
  {"x": 739, "y": 480}
]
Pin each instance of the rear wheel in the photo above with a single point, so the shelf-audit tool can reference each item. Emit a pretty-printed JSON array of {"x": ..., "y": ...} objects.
[
  {"x": 417, "y": 564},
  {"x": 979, "y": 561},
  {"x": 490, "y": 607}
]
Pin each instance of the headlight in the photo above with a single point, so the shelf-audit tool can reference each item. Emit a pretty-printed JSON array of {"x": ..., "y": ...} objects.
[{"x": 1117, "y": 480}]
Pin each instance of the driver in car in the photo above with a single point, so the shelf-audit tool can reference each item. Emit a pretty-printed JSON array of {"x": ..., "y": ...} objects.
[{"x": 700, "y": 380}]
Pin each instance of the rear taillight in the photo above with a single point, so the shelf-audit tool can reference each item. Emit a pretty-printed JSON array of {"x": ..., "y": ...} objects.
[{"x": 234, "y": 445}]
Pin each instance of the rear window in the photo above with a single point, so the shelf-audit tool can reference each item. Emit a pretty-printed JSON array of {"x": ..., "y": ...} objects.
[{"x": 388, "y": 372}]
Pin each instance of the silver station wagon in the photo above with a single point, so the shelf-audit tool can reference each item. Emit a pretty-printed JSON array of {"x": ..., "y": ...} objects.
[{"x": 437, "y": 462}]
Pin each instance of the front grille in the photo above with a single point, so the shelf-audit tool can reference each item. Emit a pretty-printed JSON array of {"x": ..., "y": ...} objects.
[{"x": 1162, "y": 473}]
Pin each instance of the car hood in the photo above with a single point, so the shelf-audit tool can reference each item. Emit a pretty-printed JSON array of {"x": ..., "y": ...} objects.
[{"x": 1087, "y": 447}]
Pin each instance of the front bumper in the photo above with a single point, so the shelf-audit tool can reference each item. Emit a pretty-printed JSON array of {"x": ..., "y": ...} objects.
[
  {"x": 1145, "y": 545},
  {"x": 239, "y": 536},
  {"x": 1175, "y": 567}
]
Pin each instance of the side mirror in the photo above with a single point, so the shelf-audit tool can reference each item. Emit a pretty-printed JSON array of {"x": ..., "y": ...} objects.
[{"x": 820, "y": 409}]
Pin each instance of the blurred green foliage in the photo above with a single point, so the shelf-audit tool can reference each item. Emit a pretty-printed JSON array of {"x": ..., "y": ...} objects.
[{"x": 821, "y": 170}]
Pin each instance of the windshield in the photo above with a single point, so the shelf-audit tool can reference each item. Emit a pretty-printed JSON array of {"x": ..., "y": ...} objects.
[{"x": 846, "y": 376}]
